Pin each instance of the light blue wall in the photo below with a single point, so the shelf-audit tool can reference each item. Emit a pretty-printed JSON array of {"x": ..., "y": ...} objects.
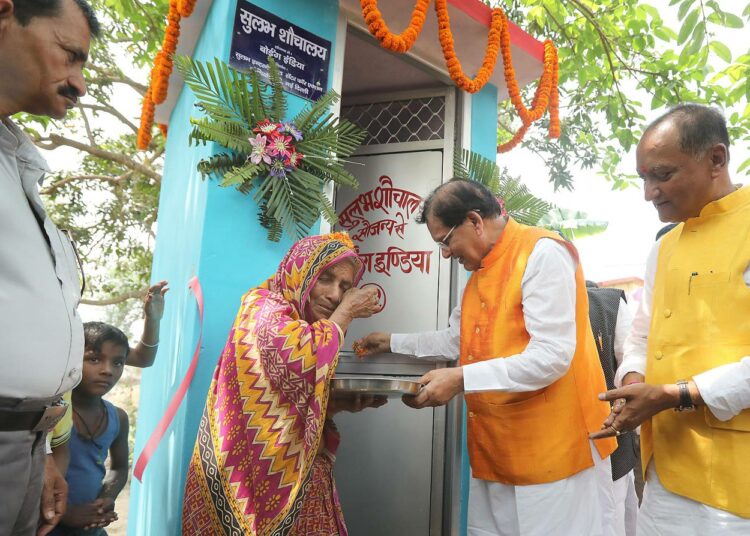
[
  {"x": 213, "y": 233},
  {"x": 484, "y": 142},
  {"x": 484, "y": 122}
]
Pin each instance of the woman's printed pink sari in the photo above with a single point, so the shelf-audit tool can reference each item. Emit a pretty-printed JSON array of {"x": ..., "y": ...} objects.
[{"x": 265, "y": 413}]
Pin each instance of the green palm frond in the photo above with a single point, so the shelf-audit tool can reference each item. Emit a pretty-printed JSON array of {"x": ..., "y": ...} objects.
[
  {"x": 327, "y": 210},
  {"x": 520, "y": 203},
  {"x": 258, "y": 101},
  {"x": 226, "y": 133},
  {"x": 277, "y": 110},
  {"x": 524, "y": 206},
  {"x": 220, "y": 163},
  {"x": 308, "y": 117},
  {"x": 270, "y": 223},
  {"x": 235, "y": 104},
  {"x": 345, "y": 135},
  {"x": 239, "y": 175},
  {"x": 221, "y": 91},
  {"x": 475, "y": 167}
]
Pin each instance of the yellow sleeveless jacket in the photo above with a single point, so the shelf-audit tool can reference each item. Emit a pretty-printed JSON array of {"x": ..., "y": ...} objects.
[{"x": 701, "y": 320}]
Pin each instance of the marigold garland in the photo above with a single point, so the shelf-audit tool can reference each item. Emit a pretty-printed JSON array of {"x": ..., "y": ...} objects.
[
  {"x": 377, "y": 26},
  {"x": 546, "y": 96},
  {"x": 185, "y": 7},
  {"x": 498, "y": 26},
  {"x": 147, "y": 121},
  {"x": 164, "y": 64},
  {"x": 162, "y": 70}
]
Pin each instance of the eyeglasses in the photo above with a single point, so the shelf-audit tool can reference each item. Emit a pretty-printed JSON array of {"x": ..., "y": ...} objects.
[{"x": 443, "y": 244}]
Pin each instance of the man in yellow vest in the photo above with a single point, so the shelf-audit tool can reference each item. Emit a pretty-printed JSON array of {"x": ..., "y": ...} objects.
[
  {"x": 689, "y": 347},
  {"x": 529, "y": 370}
]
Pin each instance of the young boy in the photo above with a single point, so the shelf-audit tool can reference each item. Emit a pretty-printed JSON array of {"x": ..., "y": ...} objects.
[{"x": 100, "y": 429}]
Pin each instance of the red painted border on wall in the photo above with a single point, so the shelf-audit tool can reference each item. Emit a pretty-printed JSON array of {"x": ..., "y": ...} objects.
[{"x": 483, "y": 14}]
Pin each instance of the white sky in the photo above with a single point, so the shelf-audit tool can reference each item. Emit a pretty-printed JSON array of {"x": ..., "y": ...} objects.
[{"x": 621, "y": 250}]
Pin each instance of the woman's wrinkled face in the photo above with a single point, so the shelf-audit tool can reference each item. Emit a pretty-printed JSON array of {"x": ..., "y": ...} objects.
[{"x": 329, "y": 289}]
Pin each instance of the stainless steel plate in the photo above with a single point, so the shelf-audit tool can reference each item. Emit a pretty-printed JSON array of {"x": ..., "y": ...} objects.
[{"x": 375, "y": 385}]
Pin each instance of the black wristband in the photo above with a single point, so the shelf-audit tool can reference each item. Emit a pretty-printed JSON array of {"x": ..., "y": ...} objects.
[{"x": 686, "y": 401}]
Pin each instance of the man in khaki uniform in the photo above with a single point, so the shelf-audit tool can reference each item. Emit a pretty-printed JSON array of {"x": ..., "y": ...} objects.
[{"x": 43, "y": 47}]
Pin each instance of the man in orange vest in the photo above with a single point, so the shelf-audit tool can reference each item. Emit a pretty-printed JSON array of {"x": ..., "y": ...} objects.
[
  {"x": 689, "y": 347},
  {"x": 529, "y": 370}
]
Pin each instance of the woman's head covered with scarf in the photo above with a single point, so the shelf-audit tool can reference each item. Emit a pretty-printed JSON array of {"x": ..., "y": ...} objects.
[{"x": 312, "y": 263}]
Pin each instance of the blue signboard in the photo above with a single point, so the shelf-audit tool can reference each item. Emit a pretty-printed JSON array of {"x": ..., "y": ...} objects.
[{"x": 302, "y": 57}]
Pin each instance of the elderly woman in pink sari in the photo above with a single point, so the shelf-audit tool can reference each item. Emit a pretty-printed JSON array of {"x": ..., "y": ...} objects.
[{"x": 263, "y": 459}]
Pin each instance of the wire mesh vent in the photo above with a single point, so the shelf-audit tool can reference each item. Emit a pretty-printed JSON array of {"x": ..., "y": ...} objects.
[{"x": 401, "y": 121}]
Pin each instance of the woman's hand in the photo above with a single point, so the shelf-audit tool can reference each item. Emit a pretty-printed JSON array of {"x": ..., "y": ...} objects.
[
  {"x": 361, "y": 303},
  {"x": 354, "y": 403},
  {"x": 356, "y": 303}
]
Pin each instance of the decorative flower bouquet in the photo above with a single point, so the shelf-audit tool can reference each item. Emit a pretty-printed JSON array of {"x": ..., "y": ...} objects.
[{"x": 285, "y": 164}]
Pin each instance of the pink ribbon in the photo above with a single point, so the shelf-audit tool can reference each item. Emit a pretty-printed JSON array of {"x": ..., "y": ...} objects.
[{"x": 166, "y": 419}]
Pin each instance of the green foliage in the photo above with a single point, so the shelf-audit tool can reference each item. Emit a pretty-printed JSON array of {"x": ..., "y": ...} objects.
[
  {"x": 622, "y": 63},
  {"x": 520, "y": 203},
  {"x": 524, "y": 206},
  {"x": 236, "y": 103}
]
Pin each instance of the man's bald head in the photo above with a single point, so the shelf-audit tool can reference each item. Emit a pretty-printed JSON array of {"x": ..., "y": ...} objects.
[{"x": 450, "y": 202}]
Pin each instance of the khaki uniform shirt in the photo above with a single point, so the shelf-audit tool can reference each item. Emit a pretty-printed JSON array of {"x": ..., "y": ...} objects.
[{"x": 41, "y": 335}]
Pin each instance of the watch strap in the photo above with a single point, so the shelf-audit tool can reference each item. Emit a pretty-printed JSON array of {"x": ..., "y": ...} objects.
[{"x": 686, "y": 401}]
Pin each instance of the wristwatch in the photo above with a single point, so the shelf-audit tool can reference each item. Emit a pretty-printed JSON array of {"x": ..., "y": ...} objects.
[{"x": 686, "y": 401}]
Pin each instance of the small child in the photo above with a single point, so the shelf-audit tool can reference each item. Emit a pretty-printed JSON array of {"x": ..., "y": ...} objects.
[{"x": 99, "y": 429}]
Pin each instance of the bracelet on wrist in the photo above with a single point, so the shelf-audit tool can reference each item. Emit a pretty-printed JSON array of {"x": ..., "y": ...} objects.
[
  {"x": 632, "y": 382},
  {"x": 150, "y": 345}
]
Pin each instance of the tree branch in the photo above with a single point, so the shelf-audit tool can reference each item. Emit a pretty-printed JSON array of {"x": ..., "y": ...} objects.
[
  {"x": 52, "y": 188},
  {"x": 86, "y": 124},
  {"x": 608, "y": 50},
  {"x": 112, "y": 300},
  {"x": 55, "y": 141},
  {"x": 560, "y": 27},
  {"x": 115, "y": 76},
  {"x": 112, "y": 111}
]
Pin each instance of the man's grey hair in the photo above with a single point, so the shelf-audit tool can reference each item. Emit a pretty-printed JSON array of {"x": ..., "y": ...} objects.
[{"x": 700, "y": 127}]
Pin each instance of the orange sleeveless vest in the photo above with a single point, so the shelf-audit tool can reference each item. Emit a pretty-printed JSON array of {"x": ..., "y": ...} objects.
[{"x": 539, "y": 436}]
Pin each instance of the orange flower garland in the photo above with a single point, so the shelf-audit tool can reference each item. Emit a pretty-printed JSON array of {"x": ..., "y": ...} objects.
[
  {"x": 554, "y": 100},
  {"x": 185, "y": 7},
  {"x": 162, "y": 69},
  {"x": 378, "y": 28},
  {"x": 147, "y": 121},
  {"x": 546, "y": 96},
  {"x": 164, "y": 63},
  {"x": 498, "y": 26}
]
